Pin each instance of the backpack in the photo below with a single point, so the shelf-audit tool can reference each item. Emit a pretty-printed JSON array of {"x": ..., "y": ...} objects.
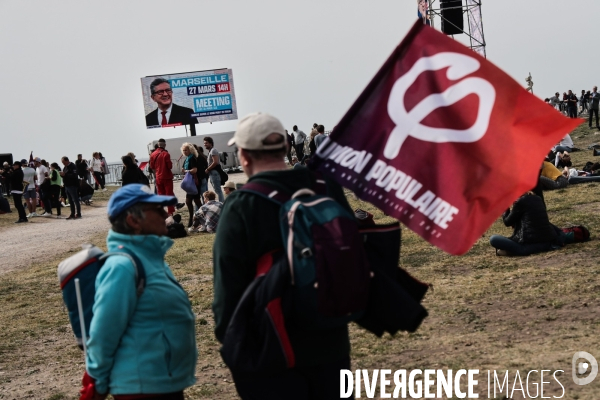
[
  {"x": 257, "y": 339},
  {"x": 84, "y": 267},
  {"x": 330, "y": 274},
  {"x": 576, "y": 234}
]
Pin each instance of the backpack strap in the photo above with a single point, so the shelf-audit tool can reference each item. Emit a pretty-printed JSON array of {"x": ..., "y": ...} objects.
[
  {"x": 138, "y": 267},
  {"x": 266, "y": 191},
  {"x": 270, "y": 192}
]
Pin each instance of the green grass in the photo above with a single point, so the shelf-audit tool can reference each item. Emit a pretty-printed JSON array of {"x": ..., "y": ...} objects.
[{"x": 485, "y": 312}]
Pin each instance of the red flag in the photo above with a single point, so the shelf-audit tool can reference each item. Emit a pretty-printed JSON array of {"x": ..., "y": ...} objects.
[{"x": 442, "y": 139}]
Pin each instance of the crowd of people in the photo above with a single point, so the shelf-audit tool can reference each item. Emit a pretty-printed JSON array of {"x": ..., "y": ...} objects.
[
  {"x": 245, "y": 224},
  {"x": 146, "y": 347},
  {"x": 572, "y": 106},
  {"x": 303, "y": 146},
  {"x": 37, "y": 183}
]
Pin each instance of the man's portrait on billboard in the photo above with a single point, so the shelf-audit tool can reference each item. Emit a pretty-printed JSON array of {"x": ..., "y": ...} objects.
[{"x": 167, "y": 112}]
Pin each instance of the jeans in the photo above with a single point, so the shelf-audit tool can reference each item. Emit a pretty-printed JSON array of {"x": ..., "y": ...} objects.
[
  {"x": 592, "y": 112},
  {"x": 549, "y": 184},
  {"x": 73, "y": 195},
  {"x": 99, "y": 180},
  {"x": 18, "y": 199},
  {"x": 583, "y": 179},
  {"x": 320, "y": 382},
  {"x": 299, "y": 150},
  {"x": 518, "y": 249},
  {"x": 560, "y": 149},
  {"x": 215, "y": 180}
]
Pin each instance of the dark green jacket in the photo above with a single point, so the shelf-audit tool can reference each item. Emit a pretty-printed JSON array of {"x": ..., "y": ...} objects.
[{"x": 248, "y": 228}]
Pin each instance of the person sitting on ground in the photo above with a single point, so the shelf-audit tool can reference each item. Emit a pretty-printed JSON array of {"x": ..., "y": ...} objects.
[
  {"x": 532, "y": 231},
  {"x": 563, "y": 160},
  {"x": 132, "y": 173},
  {"x": 566, "y": 144},
  {"x": 228, "y": 188},
  {"x": 86, "y": 191},
  {"x": 140, "y": 346},
  {"x": 206, "y": 218},
  {"x": 551, "y": 178}
]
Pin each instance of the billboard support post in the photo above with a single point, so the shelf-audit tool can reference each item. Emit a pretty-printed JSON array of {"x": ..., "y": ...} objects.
[{"x": 192, "y": 129}]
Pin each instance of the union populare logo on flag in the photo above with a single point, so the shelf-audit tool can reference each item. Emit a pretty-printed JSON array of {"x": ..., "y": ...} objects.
[{"x": 442, "y": 140}]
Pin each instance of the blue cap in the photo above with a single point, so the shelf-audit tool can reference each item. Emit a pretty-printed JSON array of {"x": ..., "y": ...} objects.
[{"x": 132, "y": 194}]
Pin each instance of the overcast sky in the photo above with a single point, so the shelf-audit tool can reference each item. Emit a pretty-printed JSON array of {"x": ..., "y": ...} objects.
[{"x": 72, "y": 69}]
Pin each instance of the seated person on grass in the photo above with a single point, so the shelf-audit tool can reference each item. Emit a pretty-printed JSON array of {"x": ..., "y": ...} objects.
[
  {"x": 552, "y": 178},
  {"x": 85, "y": 192},
  {"x": 206, "y": 218},
  {"x": 532, "y": 231}
]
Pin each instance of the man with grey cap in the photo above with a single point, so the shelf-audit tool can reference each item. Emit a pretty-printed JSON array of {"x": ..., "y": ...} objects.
[{"x": 249, "y": 228}]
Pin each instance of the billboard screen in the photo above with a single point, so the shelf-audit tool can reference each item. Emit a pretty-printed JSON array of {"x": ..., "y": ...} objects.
[{"x": 189, "y": 98}]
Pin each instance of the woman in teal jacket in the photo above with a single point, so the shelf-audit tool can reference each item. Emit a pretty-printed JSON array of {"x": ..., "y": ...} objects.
[{"x": 146, "y": 344}]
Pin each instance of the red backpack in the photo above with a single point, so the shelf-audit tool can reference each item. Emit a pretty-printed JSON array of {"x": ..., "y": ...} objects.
[{"x": 576, "y": 234}]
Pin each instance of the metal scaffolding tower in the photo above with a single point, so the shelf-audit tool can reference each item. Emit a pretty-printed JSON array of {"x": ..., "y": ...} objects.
[{"x": 471, "y": 11}]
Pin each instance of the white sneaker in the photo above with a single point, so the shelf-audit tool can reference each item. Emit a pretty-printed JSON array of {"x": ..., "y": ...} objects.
[
  {"x": 29, "y": 215},
  {"x": 104, "y": 190},
  {"x": 33, "y": 214},
  {"x": 63, "y": 204},
  {"x": 47, "y": 215},
  {"x": 192, "y": 229}
]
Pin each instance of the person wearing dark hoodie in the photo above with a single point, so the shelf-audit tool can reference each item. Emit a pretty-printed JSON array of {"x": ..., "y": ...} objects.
[
  {"x": 132, "y": 173},
  {"x": 532, "y": 230}
]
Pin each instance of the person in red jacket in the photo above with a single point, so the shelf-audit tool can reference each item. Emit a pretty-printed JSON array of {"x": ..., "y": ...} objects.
[{"x": 160, "y": 162}]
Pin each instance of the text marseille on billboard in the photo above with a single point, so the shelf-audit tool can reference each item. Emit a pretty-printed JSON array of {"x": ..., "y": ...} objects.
[{"x": 189, "y": 98}]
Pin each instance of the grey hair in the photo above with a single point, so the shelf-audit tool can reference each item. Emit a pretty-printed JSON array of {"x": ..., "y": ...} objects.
[
  {"x": 119, "y": 223},
  {"x": 157, "y": 82}
]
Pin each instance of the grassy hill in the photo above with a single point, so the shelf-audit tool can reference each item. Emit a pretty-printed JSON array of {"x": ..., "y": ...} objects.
[{"x": 486, "y": 312}]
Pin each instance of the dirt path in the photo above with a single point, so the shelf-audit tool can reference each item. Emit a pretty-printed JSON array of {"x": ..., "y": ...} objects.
[{"x": 42, "y": 238}]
